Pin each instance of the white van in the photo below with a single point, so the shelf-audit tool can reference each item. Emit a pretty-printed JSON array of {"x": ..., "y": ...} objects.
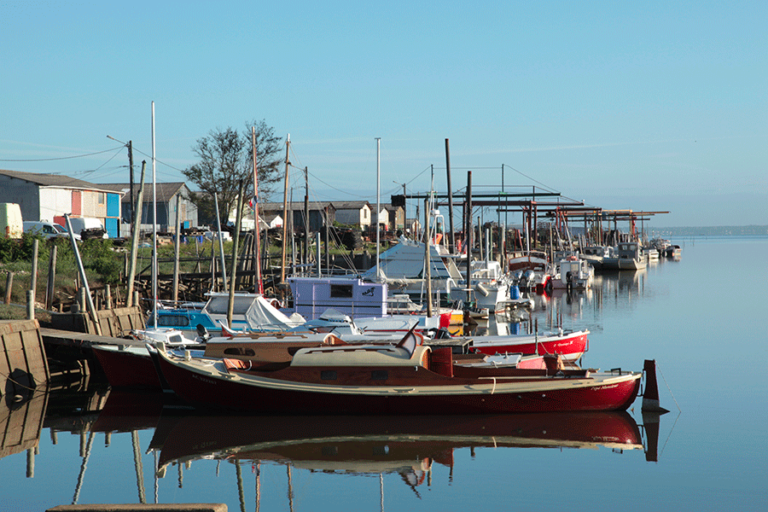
[
  {"x": 46, "y": 229},
  {"x": 79, "y": 224},
  {"x": 10, "y": 220}
]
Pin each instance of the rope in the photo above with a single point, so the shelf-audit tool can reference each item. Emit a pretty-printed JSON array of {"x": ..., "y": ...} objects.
[
  {"x": 670, "y": 391},
  {"x": 16, "y": 382}
]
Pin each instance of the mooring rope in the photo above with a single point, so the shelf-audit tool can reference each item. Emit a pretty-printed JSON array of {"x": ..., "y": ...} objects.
[
  {"x": 668, "y": 388},
  {"x": 16, "y": 382}
]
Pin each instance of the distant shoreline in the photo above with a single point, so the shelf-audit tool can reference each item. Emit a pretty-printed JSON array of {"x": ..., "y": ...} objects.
[{"x": 708, "y": 231}]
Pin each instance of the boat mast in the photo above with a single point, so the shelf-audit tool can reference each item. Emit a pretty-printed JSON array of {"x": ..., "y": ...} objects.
[
  {"x": 154, "y": 223},
  {"x": 378, "y": 205},
  {"x": 221, "y": 244},
  {"x": 285, "y": 208},
  {"x": 452, "y": 240},
  {"x": 256, "y": 230}
]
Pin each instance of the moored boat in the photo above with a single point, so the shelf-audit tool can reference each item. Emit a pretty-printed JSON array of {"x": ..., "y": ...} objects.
[
  {"x": 403, "y": 379},
  {"x": 571, "y": 345}
]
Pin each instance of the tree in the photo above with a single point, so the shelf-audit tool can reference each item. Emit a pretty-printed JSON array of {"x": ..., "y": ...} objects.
[{"x": 226, "y": 158}]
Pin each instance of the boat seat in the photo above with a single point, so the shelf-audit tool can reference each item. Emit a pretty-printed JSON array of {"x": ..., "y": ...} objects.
[{"x": 236, "y": 364}]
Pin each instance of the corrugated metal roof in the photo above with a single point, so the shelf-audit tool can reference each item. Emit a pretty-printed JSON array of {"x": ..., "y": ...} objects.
[
  {"x": 351, "y": 205},
  {"x": 54, "y": 180},
  {"x": 296, "y": 205},
  {"x": 165, "y": 191}
]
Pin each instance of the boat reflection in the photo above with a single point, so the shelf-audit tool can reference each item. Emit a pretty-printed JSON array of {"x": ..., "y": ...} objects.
[{"x": 373, "y": 445}]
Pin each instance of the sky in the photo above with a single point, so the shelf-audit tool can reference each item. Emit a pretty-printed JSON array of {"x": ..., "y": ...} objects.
[{"x": 649, "y": 106}]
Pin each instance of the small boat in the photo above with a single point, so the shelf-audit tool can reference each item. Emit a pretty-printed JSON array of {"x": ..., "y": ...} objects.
[
  {"x": 250, "y": 311},
  {"x": 673, "y": 251},
  {"x": 571, "y": 345},
  {"x": 629, "y": 256},
  {"x": 404, "y": 379},
  {"x": 528, "y": 260},
  {"x": 574, "y": 273},
  {"x": 595, "y": 255}
]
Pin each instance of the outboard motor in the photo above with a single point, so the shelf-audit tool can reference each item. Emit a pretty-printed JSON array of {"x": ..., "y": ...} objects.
[{"x": 202, "y": 333}]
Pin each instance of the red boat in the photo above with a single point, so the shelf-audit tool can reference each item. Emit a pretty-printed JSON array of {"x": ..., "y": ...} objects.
[
  {"x": 571, "y": 345},
  {"x": 405, "y": 379},
  {"x": 128, "y": 366}
]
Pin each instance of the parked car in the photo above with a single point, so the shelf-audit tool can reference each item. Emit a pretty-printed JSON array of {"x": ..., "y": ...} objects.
[
  {"x": 88, "y": 227},
  {"x": 46, "y": 229}
]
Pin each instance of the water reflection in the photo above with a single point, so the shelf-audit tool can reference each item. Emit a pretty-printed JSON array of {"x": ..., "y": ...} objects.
[
  {"x": 571, "y": 309},
  {"x": 409, "y": 447}
]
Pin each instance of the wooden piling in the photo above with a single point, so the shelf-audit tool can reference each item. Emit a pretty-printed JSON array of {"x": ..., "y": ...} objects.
[
  {"x": 49, "y": 292},
  {"x": 33, "y": 277},
  {"x": 8, "y": 287}
]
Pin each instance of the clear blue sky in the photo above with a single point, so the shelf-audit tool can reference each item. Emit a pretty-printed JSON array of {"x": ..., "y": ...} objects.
[{"x": 646, "y": 106}]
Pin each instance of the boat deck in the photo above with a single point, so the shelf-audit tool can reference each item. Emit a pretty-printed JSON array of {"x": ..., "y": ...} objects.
[{"x": 82, "y": 340}]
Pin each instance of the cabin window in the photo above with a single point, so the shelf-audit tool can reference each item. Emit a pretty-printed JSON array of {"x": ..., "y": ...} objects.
[
  {"x": 101, "y": 197},
  {"x": 379, "y": 375},
  {"x": 218, "y": 305},
  {"x": 341, "y": 291},
  {"x": 172, "y": 321},
  {"x": 328, "y": 375},
  {"x": 238, "y": 351}
]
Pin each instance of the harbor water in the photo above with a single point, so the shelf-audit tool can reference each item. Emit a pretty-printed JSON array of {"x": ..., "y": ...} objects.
[{"x": 702, "y": 318}]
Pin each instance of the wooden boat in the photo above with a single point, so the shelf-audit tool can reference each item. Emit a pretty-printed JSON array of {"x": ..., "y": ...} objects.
[
  {"x": 403, "y": 379},
  {"x": 136, "y": 366}
]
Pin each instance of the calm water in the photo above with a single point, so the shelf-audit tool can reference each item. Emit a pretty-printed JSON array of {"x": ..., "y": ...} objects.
[{"x": 703, "y": 319}]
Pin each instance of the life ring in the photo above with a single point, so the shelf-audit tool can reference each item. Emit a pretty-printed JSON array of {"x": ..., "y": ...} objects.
[{"x": 275, "y": 304}]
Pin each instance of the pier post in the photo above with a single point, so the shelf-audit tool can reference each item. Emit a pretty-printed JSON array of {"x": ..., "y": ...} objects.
[
  {"x": 8, "y": 287},
  {"x": 33, "y": 277},
  {"x": 51, "y": 278},
  {"x": 30, "y": 304}
]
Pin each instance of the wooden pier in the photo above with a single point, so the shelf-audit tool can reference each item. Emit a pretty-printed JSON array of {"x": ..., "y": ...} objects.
[{"x": 23, "y": 365}]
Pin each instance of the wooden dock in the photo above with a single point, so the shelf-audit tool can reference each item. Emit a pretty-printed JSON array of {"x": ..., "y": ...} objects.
[{"x": 23, "y": 365}]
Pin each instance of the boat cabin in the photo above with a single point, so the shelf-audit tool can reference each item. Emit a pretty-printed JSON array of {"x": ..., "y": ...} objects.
[{"x": 312, "y": 296}]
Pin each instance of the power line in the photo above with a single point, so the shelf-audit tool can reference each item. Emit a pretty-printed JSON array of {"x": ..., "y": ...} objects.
[{"x": 58, "y": 158}]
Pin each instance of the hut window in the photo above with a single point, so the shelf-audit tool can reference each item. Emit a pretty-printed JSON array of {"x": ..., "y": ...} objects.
[{"x": 379, "y": 375}]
